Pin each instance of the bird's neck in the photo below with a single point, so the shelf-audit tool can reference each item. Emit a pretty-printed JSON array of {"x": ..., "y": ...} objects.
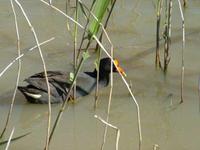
[{"x": 104, "y": 77}]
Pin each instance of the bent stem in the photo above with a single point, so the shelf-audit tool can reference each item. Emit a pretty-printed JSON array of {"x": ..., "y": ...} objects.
[
  {"x": 45, "y": 72},
  {"x": 112, "y": 126},
  {"x": 134, "y": 99},
  {"x": 18, "y": 74},
  {"x": 22, "y": 55}
]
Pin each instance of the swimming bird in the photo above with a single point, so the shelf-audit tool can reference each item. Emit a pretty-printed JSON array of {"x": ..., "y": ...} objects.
[{"x": 59, "y": 82}]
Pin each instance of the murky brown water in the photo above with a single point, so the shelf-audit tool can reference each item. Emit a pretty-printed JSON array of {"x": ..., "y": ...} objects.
[{"x": 132, "y": 30}]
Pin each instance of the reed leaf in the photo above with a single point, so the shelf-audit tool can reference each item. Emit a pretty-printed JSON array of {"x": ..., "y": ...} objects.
[{"x": 99, "y": 11}]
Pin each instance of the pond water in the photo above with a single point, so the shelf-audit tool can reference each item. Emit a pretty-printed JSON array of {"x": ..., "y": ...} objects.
[{"x": 132, "y": 31}]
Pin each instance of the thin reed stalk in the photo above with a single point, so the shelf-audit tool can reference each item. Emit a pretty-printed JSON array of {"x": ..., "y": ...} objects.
[
  {"x": 64, "y": 104},
  {"x": 133, "y": 97},
  {"x": 45, "y": 72},
  {"x": 169, "y": 20},
  {"x": 159, "y": 10},
  {"x": 96, "y": 97},
  {"x": 182, "y": 52},
  {"x": 75, "y": 47},
  {"x": 80, "y": 63},
  {"x": 21, "y": 55},
  {"x": 18, "y": 73},
  {"x": 9, "y": 140},
  {"x": 112, "y": 126},
  {"x": 109, "y": 100},
  {"x": 67, "y": 8},
  {"x": 85, "y": 28},
  {"x": 99, "y": 54}
]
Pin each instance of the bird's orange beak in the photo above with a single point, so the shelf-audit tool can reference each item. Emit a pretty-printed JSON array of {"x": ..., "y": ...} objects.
[{"x": 119, "y": 69}]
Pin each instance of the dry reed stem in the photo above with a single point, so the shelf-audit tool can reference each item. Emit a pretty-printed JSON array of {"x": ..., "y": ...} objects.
[
  {"x": 124, "y": 80},
  {"x": 70, "y": 18},
  {"x": 9, "y": 140},
  {"x": 67, "y": 8},
  {"x": 134, "y": 99},
  {"x": 159, "y": 10},
  {"x": 112, "y": 126},
  {"x": 100, "y": 39},
  {"x": 85, "y": 29},
  {"x": 109, "y": 100},
  {"x": 183, "y": 47},
  {"x": 45, "y": 72},
  {"x": 21, "y": 55},
  {"x": 18, "y": 74}
]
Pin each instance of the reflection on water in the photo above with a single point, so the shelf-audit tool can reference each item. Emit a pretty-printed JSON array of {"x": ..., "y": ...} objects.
[{"x": 132, "y": 30}]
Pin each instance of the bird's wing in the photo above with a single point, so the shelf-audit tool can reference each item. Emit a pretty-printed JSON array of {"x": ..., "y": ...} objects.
[{"x": 85, "y": 84}]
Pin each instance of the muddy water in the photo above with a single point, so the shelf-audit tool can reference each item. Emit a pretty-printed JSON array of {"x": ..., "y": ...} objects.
[{"x": 132, "y": 30}]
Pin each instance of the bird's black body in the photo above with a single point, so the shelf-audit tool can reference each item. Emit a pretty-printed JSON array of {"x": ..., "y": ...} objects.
[{"x": 36, "y": 90}]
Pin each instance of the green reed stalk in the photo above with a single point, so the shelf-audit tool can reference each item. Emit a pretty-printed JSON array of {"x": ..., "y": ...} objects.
[
  {"x": 84, "y": 36},
  {"x": 100, "y": 9}
]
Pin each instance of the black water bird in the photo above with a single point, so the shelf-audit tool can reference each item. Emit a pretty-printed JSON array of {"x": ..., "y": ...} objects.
[{"x": 36, "y": 90}]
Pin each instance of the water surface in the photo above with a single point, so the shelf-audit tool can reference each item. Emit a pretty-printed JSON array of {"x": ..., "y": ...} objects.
[{"x": 132, "y": 31}]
